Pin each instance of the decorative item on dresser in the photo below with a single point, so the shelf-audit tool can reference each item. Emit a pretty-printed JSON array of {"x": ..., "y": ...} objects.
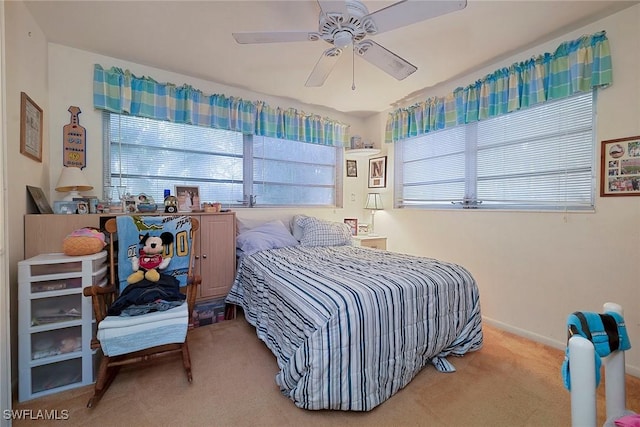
[
  {"x": 38, "y": 197},
  {"x": 72, "y": 180}
]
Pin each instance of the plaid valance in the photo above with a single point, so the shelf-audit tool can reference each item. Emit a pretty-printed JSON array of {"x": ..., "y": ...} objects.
[
  {"x": 576, "y": 66},
  {"x": 119, "y": 91}
]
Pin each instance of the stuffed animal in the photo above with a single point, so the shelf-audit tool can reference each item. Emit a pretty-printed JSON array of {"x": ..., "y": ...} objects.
[{"x": 151, "y": 258}]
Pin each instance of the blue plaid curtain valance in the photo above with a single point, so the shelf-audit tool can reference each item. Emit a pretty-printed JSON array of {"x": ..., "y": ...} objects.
[
  {"x": 119, "y": 91},
  {"x": 576, "y": 66}
]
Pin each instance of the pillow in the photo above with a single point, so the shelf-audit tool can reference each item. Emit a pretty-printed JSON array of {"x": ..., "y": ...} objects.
[
  {"x": 84, "y": 241},
  {"x": 246, "y": 224},
  {"x": 298, "y": 231},
  {"x": 271, "y": 235},
  {"x": 317, "y": 232}
]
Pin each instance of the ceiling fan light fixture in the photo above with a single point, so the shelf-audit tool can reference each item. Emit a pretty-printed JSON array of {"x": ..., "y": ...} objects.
[{"x": 342, "y": 39}]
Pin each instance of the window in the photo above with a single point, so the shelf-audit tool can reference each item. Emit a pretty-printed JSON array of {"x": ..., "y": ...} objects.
[
  {"x": 538, "y": 158},
  {"x": 148, "y": 156}
]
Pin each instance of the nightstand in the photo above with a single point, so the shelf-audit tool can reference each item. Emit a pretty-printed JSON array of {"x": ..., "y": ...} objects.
[{"x": 375, "y": 242}]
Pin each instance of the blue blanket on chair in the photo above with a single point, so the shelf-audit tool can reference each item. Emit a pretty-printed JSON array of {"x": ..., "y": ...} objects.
[
  {"x": 132, "y": 227},
  {"x": 607, "y": 332}
]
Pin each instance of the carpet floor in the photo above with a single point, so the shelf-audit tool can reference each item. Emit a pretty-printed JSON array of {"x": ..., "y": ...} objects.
[{"x": 511, "y": 381}]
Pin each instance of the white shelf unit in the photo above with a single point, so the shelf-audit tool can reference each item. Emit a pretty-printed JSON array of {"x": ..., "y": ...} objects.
[{"x": 56, "y": 322}]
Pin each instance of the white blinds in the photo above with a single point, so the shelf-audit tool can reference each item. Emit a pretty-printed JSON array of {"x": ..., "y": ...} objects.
[{"x": 538, "y": 158}]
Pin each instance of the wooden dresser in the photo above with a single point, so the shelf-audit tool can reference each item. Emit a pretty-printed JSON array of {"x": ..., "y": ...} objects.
[{"x": 215, "y": 251}]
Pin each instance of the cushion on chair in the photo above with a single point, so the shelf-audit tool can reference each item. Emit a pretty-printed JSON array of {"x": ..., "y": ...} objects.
[{"x": 120, "y": 335}]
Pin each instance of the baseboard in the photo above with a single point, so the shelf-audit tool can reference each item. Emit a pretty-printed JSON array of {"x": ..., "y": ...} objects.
[{"x": 631, "y": 370}]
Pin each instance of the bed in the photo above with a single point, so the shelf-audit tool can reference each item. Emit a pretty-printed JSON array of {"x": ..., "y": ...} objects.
[{"x": 350, "y": 326}]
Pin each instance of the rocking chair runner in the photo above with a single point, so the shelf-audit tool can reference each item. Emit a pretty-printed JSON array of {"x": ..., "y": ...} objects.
[{"x": 152, "y": 326}]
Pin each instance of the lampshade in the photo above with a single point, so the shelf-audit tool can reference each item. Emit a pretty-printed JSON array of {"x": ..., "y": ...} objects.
[
  {"x": 72, "y": 180},
  {"x": 374, "y": 202}
]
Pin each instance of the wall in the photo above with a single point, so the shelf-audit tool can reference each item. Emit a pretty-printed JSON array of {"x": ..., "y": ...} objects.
[
  {"x": 533, "y": 269},
  {"x": 26, "y": 71}
]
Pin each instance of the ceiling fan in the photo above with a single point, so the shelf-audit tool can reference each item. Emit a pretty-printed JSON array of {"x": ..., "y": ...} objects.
[{"x": 348, "y": 23}]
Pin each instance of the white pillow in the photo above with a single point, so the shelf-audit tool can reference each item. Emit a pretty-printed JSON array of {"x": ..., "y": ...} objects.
[
  {"x": 296, "y": 227},
  {"x": 317, "y": 232},
  {"x": 271, "y": 235},
  {"x": 246, "y": 224}
]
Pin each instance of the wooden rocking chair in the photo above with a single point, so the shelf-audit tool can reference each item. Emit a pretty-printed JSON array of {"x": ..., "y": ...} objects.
[{"x": 146, "y": 334}]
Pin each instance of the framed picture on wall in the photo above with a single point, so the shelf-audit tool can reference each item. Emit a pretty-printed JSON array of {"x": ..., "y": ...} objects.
[
  {"x": 620, "y": 167},
  {"x": 378, "y": 172},
  {"x": 352, "y": 168},
  {"x": 30, "y": 128}
]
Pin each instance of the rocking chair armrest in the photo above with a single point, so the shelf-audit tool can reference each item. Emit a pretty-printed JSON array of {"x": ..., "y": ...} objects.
[
  {"x": 96, "y": 290},
  {"x": 101, "y": 299}
]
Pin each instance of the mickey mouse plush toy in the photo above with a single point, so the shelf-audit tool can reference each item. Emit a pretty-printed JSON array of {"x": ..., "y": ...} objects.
[{"x": 151, "y": 258}]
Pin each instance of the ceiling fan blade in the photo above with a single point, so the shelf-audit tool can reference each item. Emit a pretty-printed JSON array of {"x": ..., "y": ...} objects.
[
  {"x": 323, "y": 67},
  {"x": 335, "y": 6},
  {"x": 384, "y": 59},
  {"x": 275, "y": 37},
  {"x": 409, "y": 12}
]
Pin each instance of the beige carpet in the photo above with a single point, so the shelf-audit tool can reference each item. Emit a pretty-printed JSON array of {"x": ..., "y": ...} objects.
[{"x": 509, "y": 382}]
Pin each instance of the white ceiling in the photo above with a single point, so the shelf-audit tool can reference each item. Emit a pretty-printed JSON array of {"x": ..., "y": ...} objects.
[{"x": 194, "y": 38}]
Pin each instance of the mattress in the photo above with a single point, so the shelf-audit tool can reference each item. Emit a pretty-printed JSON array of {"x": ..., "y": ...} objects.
[{"x": 350, "y": 326}]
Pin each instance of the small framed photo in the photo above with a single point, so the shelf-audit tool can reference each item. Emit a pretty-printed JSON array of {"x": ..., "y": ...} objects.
[
  {"x": 620, "y": 167},
  {"x": 363, "y": 228},
  {"x": 83, "y": 207},
  {"x": 353, "y": 225},
  {"x": 30, "y": 128},
  {"x": 378, "y": 172},
  {"x": 64, "y": 207},
  {"x": 352, "y": 168},
  {"x": 129, "y": 202},
  {"x": 188, "y": 198}
]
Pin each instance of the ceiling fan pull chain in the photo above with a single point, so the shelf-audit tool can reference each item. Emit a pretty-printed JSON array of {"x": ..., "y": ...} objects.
[{"x": 353, "y": 68}]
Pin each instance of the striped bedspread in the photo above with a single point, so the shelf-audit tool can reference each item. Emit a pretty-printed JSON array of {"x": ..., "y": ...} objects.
[{"x": 351, "y": 326}]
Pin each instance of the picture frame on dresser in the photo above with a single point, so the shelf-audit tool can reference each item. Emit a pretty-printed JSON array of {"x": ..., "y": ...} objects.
[
  {"x": 38, "y": 197},
  {"x": 188, "y": 197},
  {"x": 353, "y": 225}
]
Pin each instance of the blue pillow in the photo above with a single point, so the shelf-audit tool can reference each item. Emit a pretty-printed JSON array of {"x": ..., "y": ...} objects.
[{"x": 271, "y": 235}]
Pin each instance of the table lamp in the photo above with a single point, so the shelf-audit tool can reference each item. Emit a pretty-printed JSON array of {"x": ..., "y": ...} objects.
[
  {"x": 72, "y": 181},
  {"x": 374, "y": 203}
]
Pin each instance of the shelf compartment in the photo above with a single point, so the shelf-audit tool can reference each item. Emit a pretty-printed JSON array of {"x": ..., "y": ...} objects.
[
  {"x": 47, "y": 344},
  {"x": 55, "y": 375},
  {"x": 56, "y": 309}
]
